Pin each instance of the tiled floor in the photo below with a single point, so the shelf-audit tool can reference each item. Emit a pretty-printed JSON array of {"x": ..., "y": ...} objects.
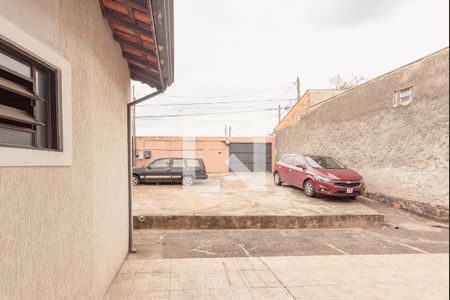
[{"x": 406, "y": 276}]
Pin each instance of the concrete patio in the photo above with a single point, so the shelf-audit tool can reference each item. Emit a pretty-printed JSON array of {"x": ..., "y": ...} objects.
[
  {"x": 405, "y": 276},
  {"x": 243, "y": 201},
  {"x": 402, "y": 233}
]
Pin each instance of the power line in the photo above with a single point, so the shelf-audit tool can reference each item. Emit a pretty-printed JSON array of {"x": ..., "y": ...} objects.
[
  {"x": 203, "y": 109},
  {"x": 213, "y": 103},
  {"x": 249, "y": 126},
  {"x": 206, "y": 114},
  {"x": 230, "y": 96}
]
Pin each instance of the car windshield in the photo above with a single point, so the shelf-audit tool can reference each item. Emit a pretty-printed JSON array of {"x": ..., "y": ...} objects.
[{"x": 319, "y": 162}]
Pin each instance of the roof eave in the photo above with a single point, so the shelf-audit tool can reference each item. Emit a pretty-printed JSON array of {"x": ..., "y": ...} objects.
[
  {"x": 144, "y": 31},
  {"x": 164, "y": 28}
]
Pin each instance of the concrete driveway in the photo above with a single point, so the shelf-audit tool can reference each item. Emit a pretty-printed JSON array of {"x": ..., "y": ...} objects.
[{"x": 245, "y": 194}]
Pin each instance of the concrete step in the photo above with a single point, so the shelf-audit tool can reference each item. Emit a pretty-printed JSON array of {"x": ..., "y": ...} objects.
[{"x": 258, "y": 222}]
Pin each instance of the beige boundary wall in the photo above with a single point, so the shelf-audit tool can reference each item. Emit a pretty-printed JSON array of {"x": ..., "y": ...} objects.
[
  {"x": 64, "y": 229},
  {"x": 310, "y": 98},
  {"x": 402, "y": 152},
  {"x": 213, "y": 150}
]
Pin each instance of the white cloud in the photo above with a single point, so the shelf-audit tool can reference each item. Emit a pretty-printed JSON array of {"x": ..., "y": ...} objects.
[{"x": 350, "y": 12}]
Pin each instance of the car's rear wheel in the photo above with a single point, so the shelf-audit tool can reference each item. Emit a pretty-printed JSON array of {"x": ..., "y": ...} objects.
[
  {"x": 187, "y": 180},
  {"x": 136, "y": 180},
  {"x": 277, "y": 179},
  {"x": 309, "y": 189}
]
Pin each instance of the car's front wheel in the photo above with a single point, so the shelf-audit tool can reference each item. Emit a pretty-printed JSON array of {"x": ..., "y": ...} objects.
[
  {"x": 188, "y": 180},
  {"x": 136, "y": 180},
  {"x": 277, "y": 179},
  {"x": 309, "y": 189}
]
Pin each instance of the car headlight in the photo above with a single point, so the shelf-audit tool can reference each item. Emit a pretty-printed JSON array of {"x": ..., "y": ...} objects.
[{"x": 323, "y": 179}]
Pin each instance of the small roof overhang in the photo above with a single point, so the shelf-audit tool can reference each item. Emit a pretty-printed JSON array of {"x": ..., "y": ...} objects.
[{"x": 144, "y": 31}]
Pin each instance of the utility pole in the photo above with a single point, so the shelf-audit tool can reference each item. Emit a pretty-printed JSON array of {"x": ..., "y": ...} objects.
[
  {"x": 298, "y": 89},
  {"x": 279, "y": 114}
]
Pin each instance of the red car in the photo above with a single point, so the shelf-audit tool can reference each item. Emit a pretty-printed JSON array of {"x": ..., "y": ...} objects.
[{"x": 318, "y": 175}]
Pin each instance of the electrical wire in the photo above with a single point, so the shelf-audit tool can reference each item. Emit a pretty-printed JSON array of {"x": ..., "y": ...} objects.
[
  {"x": 250, "y": 126},
  {"x": 273, "y": 117},
  {"x": 213, "y": 106},
  {"x": 197, "y": 109},
  {"x": 205, "y": 114},
  {"x": 214, "y": 103},
  {"x": 230, "y": 96}
]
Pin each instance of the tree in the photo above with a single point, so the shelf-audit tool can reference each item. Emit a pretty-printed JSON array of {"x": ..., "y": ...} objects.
[{"x": 342, "y": 84}]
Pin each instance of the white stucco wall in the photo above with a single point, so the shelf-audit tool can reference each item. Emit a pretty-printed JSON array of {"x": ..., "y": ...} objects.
[
  {"x": 64, "y": 230},
  {"x": 40, "y": 18}
]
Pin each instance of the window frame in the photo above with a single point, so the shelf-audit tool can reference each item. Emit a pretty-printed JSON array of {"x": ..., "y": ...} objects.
[
  {"x": 397, "y": 97},
  {"x": 21, "y": 157},
  {"x": 53, "y": 115},
  {"x": 172, "y": 163},
  {"x": 288, "y": 159},
  {"x": 197, "y": 162},
  {"x": 151, "y": 165},
  {"x": 300, "y": 159}
]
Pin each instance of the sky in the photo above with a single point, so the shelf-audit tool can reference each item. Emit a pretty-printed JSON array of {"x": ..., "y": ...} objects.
[{"x": 236, "y": 61}]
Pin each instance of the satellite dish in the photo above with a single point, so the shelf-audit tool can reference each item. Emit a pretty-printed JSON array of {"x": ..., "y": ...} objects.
[{"x": 336, "y": 80}]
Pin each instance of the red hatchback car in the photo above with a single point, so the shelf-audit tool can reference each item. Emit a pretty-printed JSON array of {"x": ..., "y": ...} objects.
[{"x": 318, "y": 175}]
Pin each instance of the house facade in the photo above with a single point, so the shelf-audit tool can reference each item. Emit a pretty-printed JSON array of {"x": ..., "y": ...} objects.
[
  {"x": 65, "y": 69},
  {"x": 392, "y": 129},
  {"x": 220, "y": 154}
]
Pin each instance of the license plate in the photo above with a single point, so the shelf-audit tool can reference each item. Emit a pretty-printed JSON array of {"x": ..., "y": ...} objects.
[{"x": 350, "y": 190}]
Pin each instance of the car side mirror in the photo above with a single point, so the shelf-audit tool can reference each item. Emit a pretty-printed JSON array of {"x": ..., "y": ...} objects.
[
  {"x": 301, "y": 166},
  {"x": 149, "y": 167}
]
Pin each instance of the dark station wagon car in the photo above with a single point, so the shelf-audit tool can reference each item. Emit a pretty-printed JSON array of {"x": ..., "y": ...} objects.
[{"x": 171, "y": 170}]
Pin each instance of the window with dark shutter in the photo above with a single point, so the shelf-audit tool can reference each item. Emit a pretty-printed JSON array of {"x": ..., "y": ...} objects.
[{"x": 29, "y": 112}]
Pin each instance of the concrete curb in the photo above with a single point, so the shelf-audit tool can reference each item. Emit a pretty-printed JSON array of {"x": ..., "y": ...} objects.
[
  {"x": 433, "y": 212},
  {"x": 258, "y": 222}
]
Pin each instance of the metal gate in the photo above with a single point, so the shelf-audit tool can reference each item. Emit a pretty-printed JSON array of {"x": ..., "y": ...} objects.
[{"x": 250, "y": 157}]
